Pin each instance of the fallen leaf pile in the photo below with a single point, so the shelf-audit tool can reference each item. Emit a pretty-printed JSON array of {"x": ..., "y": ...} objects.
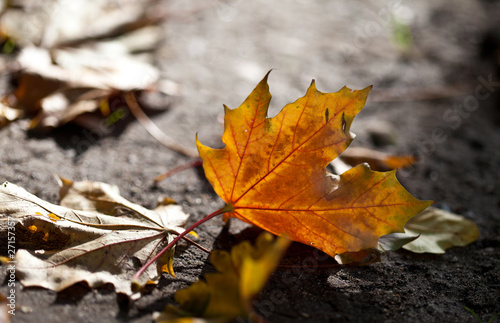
[
  {"x": 228, "y": 293},
  {"x": 272, "y": 173},
  {"x": 72, "y": 84},
  {"x": 95, "y": 236},
  {"x": 70, "y": 70}
]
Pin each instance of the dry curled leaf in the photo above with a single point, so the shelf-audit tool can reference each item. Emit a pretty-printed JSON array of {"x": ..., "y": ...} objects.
[
  {"x": 439, "y": 230},
  {"x": 431, "y": 231},
  {"x": 8, "y": 114},
  {"x": 272, "y": 173},
  {"x": 228, "y": 294},
  {"x": 58, "y": 23},
  {"x": 95, "y": 236},
  {"x": 395, "y": 241},
  {"x": 71, "y": 74},
  {"x": 70, "y": 84}
]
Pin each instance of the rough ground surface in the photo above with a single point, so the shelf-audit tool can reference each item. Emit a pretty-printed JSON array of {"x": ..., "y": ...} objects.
[{"x": 218, "y": 55}]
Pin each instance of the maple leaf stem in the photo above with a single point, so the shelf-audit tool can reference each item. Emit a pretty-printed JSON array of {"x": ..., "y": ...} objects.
[{"x": 135, "y": 278}]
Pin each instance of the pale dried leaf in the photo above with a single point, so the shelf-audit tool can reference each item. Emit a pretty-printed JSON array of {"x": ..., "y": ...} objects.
[
  {"x": 8, "y": 114},
  {"x": 79, "y": 68},
  {"x": 439, "y": 230},
  {"x": 52, "y": 22},
  {"x": 73, "y": 82},
  {"x": 395, "y": 241},
  {"x": 64, "y": 246}
]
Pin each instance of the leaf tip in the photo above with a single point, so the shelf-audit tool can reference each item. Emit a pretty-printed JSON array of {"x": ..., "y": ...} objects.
[
  {"x": 263, "y": 82},
  {"x": 199, "y": 145},
  {"x": 61, "y": 181},
  {"x": 312, "y": 87}
]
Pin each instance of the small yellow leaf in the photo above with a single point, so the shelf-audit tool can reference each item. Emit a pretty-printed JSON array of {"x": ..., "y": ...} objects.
[
  {"x": 53, "y": 217},
  {"x": 228, "y": 294},
  {"x": 104, "y": 107},
  {"x": 167, "y": 201},
  {"x": 4, "y": 259},
  {"x": 168, "y": 266},
  {"x": 32, "y": 228}
]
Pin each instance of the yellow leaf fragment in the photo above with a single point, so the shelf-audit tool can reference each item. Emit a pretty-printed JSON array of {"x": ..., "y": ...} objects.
[
  {"x": 4, "y": 260},
  {"x": 227, "y": 294},
  {"x": 168, "y": 267},
  {"x": 53, "y": 217}
]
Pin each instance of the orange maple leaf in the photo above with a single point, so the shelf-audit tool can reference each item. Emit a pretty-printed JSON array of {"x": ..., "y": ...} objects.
[{"x": 272, "y": 173}]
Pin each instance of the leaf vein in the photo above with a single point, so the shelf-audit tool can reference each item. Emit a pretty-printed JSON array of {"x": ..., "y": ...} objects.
[{"x": 282, "y": 161}]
